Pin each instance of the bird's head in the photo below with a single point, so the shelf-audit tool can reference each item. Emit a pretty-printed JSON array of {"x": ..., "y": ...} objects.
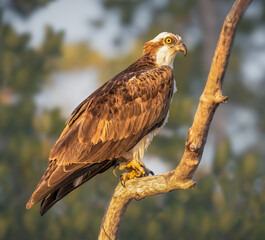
[{"x": 164, "y": 47}]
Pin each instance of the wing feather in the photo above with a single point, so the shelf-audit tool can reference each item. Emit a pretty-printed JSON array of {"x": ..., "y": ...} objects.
[{"x": 106, "y": 125}]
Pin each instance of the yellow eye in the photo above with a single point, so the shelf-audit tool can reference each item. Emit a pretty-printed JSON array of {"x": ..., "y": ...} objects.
[{"x": 168, "y": 40}]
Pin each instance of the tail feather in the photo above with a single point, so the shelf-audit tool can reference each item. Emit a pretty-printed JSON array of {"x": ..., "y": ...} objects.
[{"x": 62, "y": 191}]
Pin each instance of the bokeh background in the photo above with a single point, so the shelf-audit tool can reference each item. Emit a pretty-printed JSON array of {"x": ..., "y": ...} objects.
[{"x": 53, "y": 54}]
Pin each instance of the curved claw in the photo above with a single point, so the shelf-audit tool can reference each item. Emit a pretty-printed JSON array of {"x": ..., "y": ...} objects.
[
  {"x": 138, "y": 199},
  {"x": 122, "y": 181},
  {"x": 151, "y": 172}
]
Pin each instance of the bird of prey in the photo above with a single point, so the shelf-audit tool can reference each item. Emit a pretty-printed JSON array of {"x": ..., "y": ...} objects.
[{"x": 114, "y": 125}]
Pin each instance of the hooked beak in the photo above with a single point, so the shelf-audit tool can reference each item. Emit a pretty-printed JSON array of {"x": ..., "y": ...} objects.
[{"x": 182, "y": 48}]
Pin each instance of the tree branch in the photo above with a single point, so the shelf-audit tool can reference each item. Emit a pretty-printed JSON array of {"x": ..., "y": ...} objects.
[{"x": 181, "y": 177}]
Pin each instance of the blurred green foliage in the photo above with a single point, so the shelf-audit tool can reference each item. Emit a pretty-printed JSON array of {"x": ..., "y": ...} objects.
[
  {"x": 227, "y": 203},
  {"x": 25, "y": 137}
]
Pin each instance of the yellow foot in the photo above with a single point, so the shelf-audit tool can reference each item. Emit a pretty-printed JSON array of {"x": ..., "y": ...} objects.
[
  {"x": 134, "y": 165},
  {"x": 127, "y": 176},
  {"x": 135, "y": 169}
]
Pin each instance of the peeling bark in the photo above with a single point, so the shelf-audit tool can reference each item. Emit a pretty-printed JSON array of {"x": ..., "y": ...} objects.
[{"x": 181, "y": 177}]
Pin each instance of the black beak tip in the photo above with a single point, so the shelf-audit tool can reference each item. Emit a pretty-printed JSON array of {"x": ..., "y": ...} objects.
[{"x": 185, "y": 51}]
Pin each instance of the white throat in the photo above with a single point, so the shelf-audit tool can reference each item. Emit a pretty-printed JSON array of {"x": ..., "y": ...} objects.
[{"x": 164, "y": 57}]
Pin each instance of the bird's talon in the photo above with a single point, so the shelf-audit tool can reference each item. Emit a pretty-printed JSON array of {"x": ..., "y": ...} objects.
[
  {"x": 138, "y": 199},
  {"x": 122, "y": 180}
]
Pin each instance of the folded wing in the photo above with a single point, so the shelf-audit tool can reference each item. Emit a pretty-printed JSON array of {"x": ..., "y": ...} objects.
[{"x": 110, "y": 122}]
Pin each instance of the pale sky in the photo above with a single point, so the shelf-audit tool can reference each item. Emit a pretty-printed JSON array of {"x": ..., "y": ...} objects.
[{"x": 76, "y": 19}]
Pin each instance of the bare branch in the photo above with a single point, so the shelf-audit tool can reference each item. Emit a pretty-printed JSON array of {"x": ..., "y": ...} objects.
[{"x": 181, "y": 177}]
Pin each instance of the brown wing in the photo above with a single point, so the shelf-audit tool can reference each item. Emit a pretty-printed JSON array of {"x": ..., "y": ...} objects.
[{"x": 107, "y": 124}]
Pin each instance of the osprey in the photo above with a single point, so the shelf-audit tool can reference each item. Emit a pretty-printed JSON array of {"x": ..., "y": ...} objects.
[{"x": 114, "y": 125}]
